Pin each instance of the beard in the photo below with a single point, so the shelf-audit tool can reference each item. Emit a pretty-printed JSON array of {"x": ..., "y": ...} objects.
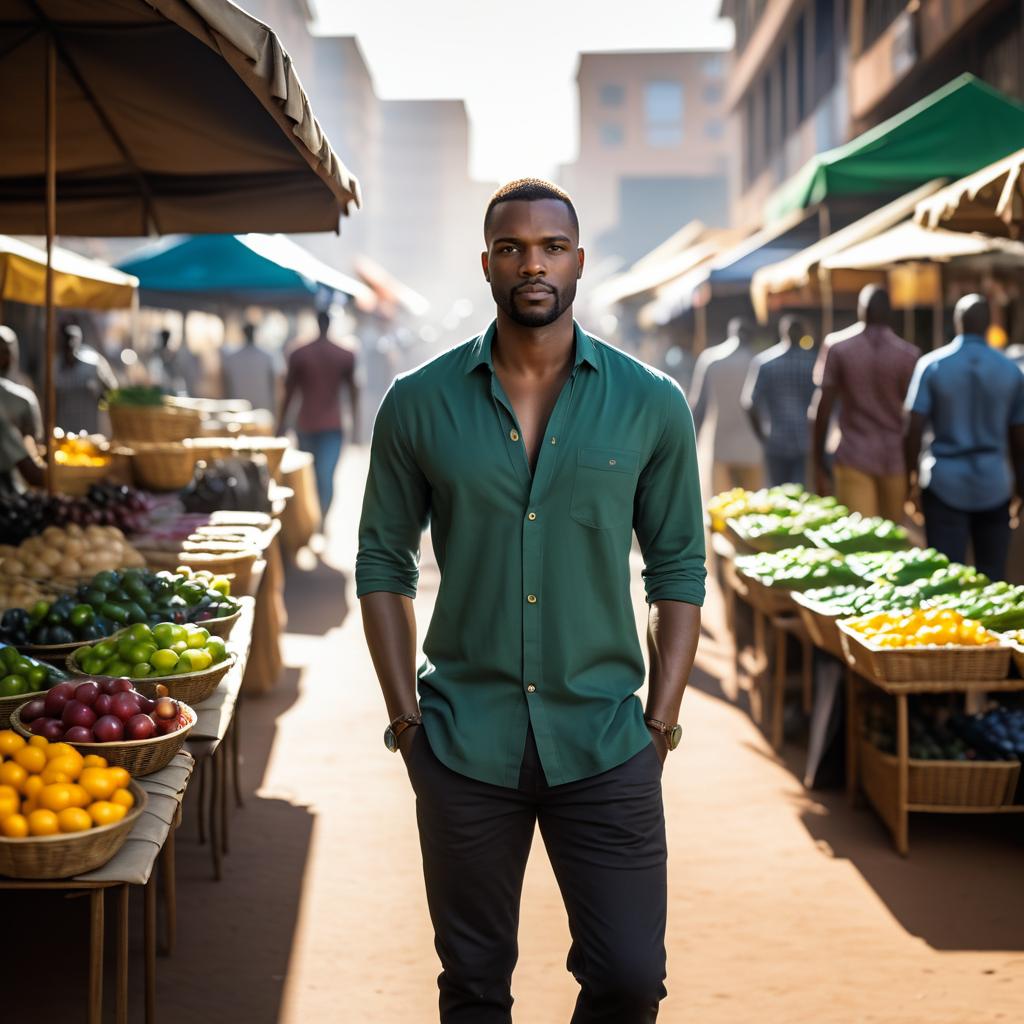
[{"x": 514, "y": 308}]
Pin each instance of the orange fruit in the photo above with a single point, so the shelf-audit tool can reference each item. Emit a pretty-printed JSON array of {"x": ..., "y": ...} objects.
[
  {"x": 60, "y": 750},
  {"x": 43, "y": 823},
  {"x": 10, "y": 742},
  {"x": 48, "y": 777},
  {"x": 12, "y": 774},
  {"x": 32, "y": 759},
  {"x": 120, "y": 776},
  {"x": 38, "y": 741},
  {"x": 14, "y": 826},
  {"x": 97, "y": 782},
  {"x": 32, "y": 786},
  {"x": 74, "y": 819},
  {"x": 56, "y": 797},
  {"x": 93, "y": 761},
  {"x": 10, "y": 803},
  {"x": 67, "y": 764},
  {"x": 103, "y": 812},
  {"x": 124, "y": 798},
  {"x": 79, "y": 797}
]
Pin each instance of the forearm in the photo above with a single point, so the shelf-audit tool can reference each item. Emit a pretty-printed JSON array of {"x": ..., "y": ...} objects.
[
  {"x": 282, "y": 419},
  {"x": 755, "y": 424},
  {"x": 822, "y": 415},
  {"x": 912, "y": 448},
  {"x": 389, "y": 625},
  {"x": 673, "y": 630}
]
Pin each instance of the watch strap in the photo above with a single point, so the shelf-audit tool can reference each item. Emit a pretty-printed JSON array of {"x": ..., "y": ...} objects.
[{"x": 402, "y": 722}]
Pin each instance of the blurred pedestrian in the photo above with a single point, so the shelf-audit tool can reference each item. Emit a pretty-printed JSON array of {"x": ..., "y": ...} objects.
[
  {"x": 15, "y": 457},
  {"x": 320, "y": 371},
  {"x": 82, "y": 378},
  {"x": 866, "y": 369},
  {"x": 776, "y": 397},
  {"x": 718, "y": 378},
  {"x": 251, "y": 373},
  {"x": 972, "y": 398},
  {"x": 18, "y": 402},
  {"x": 175, "y": 367}
]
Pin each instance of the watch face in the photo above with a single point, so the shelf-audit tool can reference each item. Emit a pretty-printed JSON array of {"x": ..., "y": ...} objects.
[
  {"x": 675, "y": 736},
  {"x": 390, "y": 739}
]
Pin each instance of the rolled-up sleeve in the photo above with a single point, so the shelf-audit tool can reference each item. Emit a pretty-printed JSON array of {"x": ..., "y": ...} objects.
[
  {"x": 396, "y": 508},
  {"x": 667, "y": 514}
]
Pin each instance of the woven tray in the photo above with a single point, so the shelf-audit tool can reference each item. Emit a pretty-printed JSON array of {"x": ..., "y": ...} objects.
[
  {"x": 55, "y": 654},
  {"x": 163, "y": 466},
  {"x": 821, "y": 627},
  {"x": 8, "y": 705},
  {"x": 75, "y": 853},
  {"x": 153, "y": 423},
  {"x": 138, "y": 757},
  {"x": 221, "y": 627},
  {"x": 769, "y": 600},
  {"x": 924, "y": 664},
  {"x": 765, "y": 543}
]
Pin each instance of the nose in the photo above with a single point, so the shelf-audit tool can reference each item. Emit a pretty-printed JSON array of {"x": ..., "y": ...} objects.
[{"x": 533, "y": 262}]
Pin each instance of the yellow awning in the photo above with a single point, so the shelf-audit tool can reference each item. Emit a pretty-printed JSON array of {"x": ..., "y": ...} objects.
[
  {"x": 990, "y": 200},
  {"x": 799, "y": 273},
  {"x": 79, "y": 283}
]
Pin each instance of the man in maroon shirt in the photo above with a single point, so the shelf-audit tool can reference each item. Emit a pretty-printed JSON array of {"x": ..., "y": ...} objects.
[
  {"x": 867, "y": 368},
  {"x": 319, "y": 371}
]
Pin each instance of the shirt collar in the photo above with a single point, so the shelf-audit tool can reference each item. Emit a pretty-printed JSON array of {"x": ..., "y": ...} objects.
[
  {"x": 965, "y": 338},
  {"x": 480, "y": 349}
]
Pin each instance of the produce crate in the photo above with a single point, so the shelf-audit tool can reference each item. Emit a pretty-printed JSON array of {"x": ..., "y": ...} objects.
[
  {"x": 769, "y": 600},
  {"x": 767, "y": 543},
  {"x": 923, "y": 664},
  {"x": 938, "y": 785},
  {"x": 164, "y": 466},
  {"x": 153, "y": 423},
  {"x": 76, "y": 480},
  {"x": 822, "y": 627}
]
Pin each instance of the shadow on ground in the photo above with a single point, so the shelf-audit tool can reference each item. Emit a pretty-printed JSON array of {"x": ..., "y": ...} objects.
[{"x": 321, "y": 593}]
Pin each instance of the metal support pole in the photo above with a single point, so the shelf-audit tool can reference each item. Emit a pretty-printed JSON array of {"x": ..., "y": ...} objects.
[{"x": 50, "y": 400}]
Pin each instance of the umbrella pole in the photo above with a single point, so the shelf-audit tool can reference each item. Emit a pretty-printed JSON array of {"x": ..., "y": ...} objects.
[{"x": 50, "y": 403}]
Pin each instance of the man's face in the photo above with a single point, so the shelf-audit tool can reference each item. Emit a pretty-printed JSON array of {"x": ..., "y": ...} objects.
[{"x": 533, "y": 260}]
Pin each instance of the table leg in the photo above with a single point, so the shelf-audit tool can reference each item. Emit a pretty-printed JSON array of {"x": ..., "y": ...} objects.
[
  {"x": 807, "y": 669},
  {"x": 852, "y": 738},
  {"x": 96, "y": 956},
  {"x": 149, "y": 938},
  {"x": 121, "y": 994},
  {"x": 235, "y": 756},
  {"x": 215, "y": 848},
  {"x": 167, "y": 873},
  {"x": 760, "y": 659},
  {"x": 201, "y": 770},
  {"x": 903, "y": 778},
  {"x": 778, "y": 688},
  {"x": 222, "y": 796}
]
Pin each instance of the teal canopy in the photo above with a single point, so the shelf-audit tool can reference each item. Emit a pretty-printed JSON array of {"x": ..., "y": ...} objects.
[
  {"x": 956, "y": 130},
  {"x": 256, "y": 269}
]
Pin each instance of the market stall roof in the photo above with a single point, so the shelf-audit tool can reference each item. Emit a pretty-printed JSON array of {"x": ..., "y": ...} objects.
[
  {"x": 954, "y": 131},
  {"x": 990, "y": 200},
  {"x": 392, "y": 293},
  {"x": 172, "y": 116},
  {"x": 244, "y": 268},
  {"x": 909, "y": 242},
  {"x": 78, "y": 282},
  {"x": 800, "y": 271}
]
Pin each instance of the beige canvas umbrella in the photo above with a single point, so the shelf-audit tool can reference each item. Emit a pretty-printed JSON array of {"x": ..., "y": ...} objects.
[{"x": 135, "y": 117}]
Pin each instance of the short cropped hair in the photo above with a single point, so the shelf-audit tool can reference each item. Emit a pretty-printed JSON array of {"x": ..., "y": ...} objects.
[{"x": 531, "y": 190}]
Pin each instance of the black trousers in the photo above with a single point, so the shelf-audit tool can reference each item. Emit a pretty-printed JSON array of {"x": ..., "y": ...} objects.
[
  {"x": 948, "y": 529},
  {"x": 605, "y": 837}
]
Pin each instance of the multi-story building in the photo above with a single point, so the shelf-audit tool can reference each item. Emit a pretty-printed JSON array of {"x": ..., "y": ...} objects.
[
  {"x": 901, "y": 51},
  {"x": 787, "y": 93},
  {"x": 653, "y": 148}
]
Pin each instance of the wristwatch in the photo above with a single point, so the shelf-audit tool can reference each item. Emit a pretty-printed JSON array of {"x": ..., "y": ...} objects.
[
  {"x": 673, "y": 733},
  {"x": 397, "y": 727}
]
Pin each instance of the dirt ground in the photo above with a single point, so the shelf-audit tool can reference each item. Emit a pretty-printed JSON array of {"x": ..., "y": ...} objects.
[{"x": 786, "y": 906}]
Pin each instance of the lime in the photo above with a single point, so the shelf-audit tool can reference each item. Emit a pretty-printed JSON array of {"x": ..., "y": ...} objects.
[
  {"x": 124, "y": 647},
  {"x": 13, "y": 686},
  {"x": 164, "y": 661},
  {"x": 141, "y": 651},
  {"x": 105, "y": 649},
  {"x": 81, "y": 615},
  {"x": 38, "y": 678},
  {"x": 194, "y": 660},
  {"x": 163, "y": 634},
  {"x": 117, "y": 667},
  {"x": 217, "y": 649},
  {"x": 40, "y": 610},
  {"x": 198, "y": 637},
  {"x": 23, "y": 666},
  {"x": 178, "y": 646},
  {"x": 141, "y": 670},
  {"x": 140, "y": 633},
  {"x": 92, "y": 665},
  {"x": 9, "y": 656}
]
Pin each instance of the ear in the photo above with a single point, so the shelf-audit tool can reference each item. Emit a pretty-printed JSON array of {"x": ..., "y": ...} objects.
[
  {"x": 581, "y": 256},
  {"x": 486, "y": 266}
]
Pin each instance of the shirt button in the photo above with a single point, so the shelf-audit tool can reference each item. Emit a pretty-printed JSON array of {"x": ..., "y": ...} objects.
[
  {"x": 531, "y": 598},
  {"x": 554, "y": 440},
  {"x": 514, "y": 434},
  {"x": 530, "y": 688},
  {"x": 532, "y": 516}
]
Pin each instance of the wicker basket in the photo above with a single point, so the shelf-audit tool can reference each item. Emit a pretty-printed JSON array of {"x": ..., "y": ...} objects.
[
  {"x": 970, "y": 784},
  {"x": 138, "y": 757},
  {"x": 76, "y": 480},
  {"x": 221, "y": 627},
  {"x": 923, "y": 664},
  {"x": 75, "y": 853},
  {"x": 8, "y": 705},
  {"x": 164, "y": 466},
  {"x": 769, "y": 600},
  {"x": 55, "y": 654},
  {"x": 153, "y": 423},
  {"x": 821, "y": 627},
  {"x": 191, "y": 688}
]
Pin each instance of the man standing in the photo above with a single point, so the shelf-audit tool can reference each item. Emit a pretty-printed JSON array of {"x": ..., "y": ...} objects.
[
  {"x": 15, "y": 456},
  {"x": 534, "y": 451},
  {"x": 250, "y": 373},
  {"x": 320, "y": 371},
  {"x": 18, "y": 402},
  {"x": 718, "y": 378},
  {"x": 973, "y": 398},
  {"x": 777, "y": 395},
  {"x": 867, "y": 368},
  {"x": 83, "y": 377}
]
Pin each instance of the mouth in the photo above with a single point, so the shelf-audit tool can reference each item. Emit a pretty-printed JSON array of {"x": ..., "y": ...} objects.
[{"x": 534, "y": 292}]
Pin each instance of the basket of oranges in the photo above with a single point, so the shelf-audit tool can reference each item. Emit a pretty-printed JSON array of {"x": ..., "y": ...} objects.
[
  {"x": 920, "y": 646},
  {"x": 61, "y": 813}
]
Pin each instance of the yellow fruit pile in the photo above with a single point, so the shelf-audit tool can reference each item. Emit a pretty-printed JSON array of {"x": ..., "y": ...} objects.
[
  {"x": 932, "y": 628},
  {"x": 729, "y": 505},
  {"x": 79, "y": 451},
  {"x": 50, "y": 788}
]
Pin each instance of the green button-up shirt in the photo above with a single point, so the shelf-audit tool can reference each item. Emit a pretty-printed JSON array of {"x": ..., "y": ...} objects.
[{"x": 533, "y": 622}]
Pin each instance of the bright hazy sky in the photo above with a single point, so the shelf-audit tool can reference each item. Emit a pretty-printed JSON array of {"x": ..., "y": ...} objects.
[{"x": 514, "y": 64}]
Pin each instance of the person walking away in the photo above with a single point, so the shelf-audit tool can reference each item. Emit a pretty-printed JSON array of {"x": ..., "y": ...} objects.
[
  {"x": 18, "y": 402},
  {"x": 175, "y": 368},
  {"x": 776, "y": 397},
  {"x": 718, "y": 378},
  {"x": 972, "y": 397},
  {"x": 866, "y": 369},
  {"x": 534, "y": 450},
  {"x": 250, "y": 373},
  {"x": 83, "y": 377},
  {"x": 319, "y": 372}
]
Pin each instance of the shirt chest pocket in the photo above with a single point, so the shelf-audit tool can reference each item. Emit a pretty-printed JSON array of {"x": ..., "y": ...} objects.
[{"x": 604, "y": 486}]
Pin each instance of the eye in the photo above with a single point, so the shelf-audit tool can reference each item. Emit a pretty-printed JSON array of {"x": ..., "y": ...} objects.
[
  {"x": 556, "y": 247},
  {"x": 506, "y": 249}
]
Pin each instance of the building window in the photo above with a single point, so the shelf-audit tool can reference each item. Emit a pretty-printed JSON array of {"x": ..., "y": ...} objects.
[
  {"x": 612, "y": 134},
  {"x": 663, "y": 110},
  {"x": 612, "y": 95},
  {"x": 713, "y": 94},
  {"x": 714, "y": 129},
  {"x": 824, "y": 47},
  {"x": 714, "y": 66}
]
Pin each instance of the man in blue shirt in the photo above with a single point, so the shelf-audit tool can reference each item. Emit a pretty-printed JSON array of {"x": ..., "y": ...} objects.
[
  {"x": 972, "y": 397},
  {"x": 777, "y": 395}
]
